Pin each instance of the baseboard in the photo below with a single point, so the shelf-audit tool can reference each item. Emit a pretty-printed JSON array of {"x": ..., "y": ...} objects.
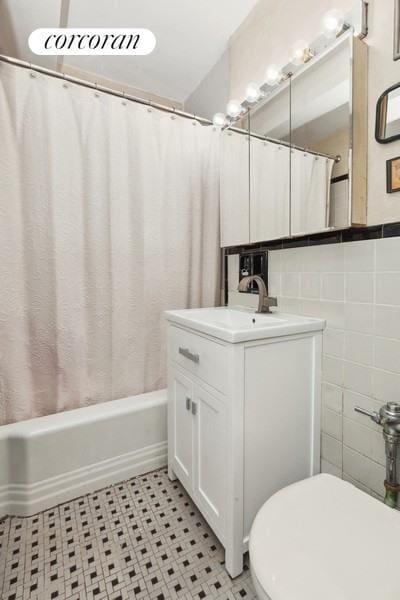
[{"x": 27, "y": 499}]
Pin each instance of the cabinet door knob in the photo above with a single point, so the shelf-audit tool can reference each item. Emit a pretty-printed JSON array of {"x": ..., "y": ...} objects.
[
  {"x": 188, "y": 403},
  {"x": 194, "y": 408}
]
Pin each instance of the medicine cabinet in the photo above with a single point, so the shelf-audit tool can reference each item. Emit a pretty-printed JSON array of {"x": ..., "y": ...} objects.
[{"x": 298, "y": 166}]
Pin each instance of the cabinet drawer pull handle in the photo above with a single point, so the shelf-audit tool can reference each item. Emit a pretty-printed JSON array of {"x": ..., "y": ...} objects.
[
  {"x": 187, "y": 354},
  {"x": 188, "y": 403},
  {"x": 194, "y": 408}
]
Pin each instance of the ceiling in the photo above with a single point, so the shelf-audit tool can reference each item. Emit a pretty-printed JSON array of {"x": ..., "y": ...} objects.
[{"x": 191, "y": 37}]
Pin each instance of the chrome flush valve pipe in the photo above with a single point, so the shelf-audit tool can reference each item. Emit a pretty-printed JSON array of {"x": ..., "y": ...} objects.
[{"x": 389, "y": 418}]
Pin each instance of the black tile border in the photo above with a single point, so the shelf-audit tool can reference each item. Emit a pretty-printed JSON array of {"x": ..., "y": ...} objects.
[
  {"x": 339, "y": 178},
  {"x": 357, "y": 235},
  {"x": 391, "y": 230},
  {"x": 354, "y": 234}
]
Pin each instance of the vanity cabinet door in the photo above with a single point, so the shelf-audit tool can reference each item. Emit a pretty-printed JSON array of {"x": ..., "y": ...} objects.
[
  {"x": 210, "y": 441},
  {"x": 180, "y": 426},
  {"x": 234, "y": 189}
]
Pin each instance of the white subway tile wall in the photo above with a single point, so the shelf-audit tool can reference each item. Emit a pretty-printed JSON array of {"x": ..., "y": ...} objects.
[{"x": 355, "y": 286}]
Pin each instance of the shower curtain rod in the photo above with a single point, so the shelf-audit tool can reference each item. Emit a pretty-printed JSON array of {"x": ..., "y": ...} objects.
[
  {"x": 258, "y": 136},
  {"x": 175, "y": 111},
  {"x": 104, "y": 89}
]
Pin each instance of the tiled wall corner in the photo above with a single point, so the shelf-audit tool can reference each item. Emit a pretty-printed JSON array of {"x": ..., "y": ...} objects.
[{"x": 355, "y": 286}]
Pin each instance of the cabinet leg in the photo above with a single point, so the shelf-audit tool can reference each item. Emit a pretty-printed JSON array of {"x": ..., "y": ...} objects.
[
  {"x": 234, "y": 562},
  {"x": 171, "y": 474}
]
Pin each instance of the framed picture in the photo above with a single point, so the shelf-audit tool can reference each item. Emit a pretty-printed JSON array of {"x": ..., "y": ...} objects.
[
  {"x": 393, "y": 175},
  {"x": 396, "y": 37}
]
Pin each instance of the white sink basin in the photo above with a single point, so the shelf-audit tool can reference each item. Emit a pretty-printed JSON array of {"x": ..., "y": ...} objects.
[{"x": 240, "y": 324}]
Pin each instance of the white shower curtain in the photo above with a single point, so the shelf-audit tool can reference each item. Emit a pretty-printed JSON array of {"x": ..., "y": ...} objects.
[
  {"x": 108, "y": 216},
  {"x": 310, "y": 192}
]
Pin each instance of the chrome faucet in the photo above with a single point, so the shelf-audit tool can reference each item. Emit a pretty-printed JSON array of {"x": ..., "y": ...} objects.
[{"x": 264, "y": 301}]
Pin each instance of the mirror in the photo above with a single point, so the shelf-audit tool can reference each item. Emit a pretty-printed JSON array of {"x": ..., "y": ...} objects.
[
  {"x": 387, "y": 127},
  {"x": 269, "y": 147},
  {"x": 234, "y": 184},
  {"x": 307, "y": 149},
  {"x": 321, "y": 140}
]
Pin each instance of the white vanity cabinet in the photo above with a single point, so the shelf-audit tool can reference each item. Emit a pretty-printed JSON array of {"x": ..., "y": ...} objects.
[
  {"x": 198, "y": 423},
  {"x": 243, "y": 414}
]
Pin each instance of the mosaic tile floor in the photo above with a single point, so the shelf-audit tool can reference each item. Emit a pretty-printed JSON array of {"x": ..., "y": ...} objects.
[{"x": 142, "y": 538}]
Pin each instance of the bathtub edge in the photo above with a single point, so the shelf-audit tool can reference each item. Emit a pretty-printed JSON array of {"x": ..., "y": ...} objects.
[
  {"x": 25, "y": 500},
  {"x": 23, "y": 495}
]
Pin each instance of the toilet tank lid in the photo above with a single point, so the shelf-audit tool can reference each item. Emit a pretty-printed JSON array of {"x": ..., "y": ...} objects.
[{"x": 324, "y": 538}]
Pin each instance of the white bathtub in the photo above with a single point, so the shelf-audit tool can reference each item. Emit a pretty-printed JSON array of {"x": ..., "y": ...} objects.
[{"x": 53, "y": 459}]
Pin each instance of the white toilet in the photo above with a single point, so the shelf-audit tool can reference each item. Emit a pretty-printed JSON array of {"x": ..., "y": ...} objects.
[{"x": 323, "y": 539}]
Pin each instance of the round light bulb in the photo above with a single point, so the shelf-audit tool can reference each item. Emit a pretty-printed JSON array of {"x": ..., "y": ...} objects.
[
  {"x": 234, "y": 108},
  {"x": 253, "y": 93},
  {"x": 300, "y": 53},
  {"x": 273, "y": 75},
  {"x": 332, "y": 23},
  {"x": 219, "y": 119}
]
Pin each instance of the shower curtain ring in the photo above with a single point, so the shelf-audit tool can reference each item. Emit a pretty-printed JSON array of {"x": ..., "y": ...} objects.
[
  {"x": 194, "y": 119},
  {"x": 173, "y": 113},
  {"x": 123, "y": 98},
  {"x": 97, "y": 95},
  {"x": 32, "y": 73},
  {"x": 65, "y": 85},
  {"x": 149, "y": 107}
]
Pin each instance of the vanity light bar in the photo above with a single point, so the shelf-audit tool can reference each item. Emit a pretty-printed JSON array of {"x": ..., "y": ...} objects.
[{"x": 334, "y": 24}]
